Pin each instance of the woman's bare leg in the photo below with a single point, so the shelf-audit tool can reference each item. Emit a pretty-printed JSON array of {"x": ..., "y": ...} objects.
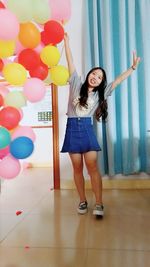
[
  {"x": 77, "y": 163},
  {"x": 96, "y": 181}
]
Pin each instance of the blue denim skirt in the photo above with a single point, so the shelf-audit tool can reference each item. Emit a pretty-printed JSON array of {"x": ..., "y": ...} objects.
[{"x": 80, "y": 136}]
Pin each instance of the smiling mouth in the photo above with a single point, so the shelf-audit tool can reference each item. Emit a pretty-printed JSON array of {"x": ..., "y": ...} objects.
[{"x": 92, "y": 81}]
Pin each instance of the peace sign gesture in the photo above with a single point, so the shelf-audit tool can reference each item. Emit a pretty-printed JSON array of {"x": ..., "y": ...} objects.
[{"x": 136, "y": 60}]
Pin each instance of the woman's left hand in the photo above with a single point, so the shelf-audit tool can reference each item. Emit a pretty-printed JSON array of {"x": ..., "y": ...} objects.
[{"x": 136, "y": 60}]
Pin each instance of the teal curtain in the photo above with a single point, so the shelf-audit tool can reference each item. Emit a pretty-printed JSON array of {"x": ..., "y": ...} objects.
[{"x": 113, "y": 29}]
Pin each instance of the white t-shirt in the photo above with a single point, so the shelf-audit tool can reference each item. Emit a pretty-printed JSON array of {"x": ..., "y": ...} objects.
[{"x": 74, "y": 108}]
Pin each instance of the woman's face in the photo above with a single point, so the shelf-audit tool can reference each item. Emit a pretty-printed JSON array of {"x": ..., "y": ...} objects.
[{"x": 95, "y": 78}]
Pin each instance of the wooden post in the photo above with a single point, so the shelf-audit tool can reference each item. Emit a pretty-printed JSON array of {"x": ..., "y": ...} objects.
[{"x": 55, "y": 118}]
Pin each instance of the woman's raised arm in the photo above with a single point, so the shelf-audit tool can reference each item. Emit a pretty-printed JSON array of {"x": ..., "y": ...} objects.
[
  {"x": 68, "y": 53},
  {"x": 128, "y": 72}
]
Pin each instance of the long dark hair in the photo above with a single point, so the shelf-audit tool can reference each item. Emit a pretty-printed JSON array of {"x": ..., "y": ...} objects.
[{"x": 101, "y": 111}]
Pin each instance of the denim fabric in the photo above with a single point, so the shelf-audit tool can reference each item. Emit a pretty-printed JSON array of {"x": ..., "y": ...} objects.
[{"x": 80, "y": 136}]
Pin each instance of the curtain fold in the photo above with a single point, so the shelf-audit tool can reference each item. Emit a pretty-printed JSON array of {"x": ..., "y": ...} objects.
[{"x": 112, "y": 31}]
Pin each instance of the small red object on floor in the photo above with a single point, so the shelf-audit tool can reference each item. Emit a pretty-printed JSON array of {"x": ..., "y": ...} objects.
[{"x": 18, "y": 212}]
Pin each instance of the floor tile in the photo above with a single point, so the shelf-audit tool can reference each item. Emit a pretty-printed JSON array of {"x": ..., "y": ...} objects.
[
  {"x": 50, "y": 233},
  {"x": 120, "y": 232},
  {"x": 36, "y": 257},
  {"x": 37, "y": 230},
  {"x": 118, "y": 258}
]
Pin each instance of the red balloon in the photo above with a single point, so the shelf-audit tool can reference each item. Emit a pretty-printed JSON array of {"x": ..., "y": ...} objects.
[
  {"x": 45, "y": 38},
  {"x": 41, "y": 71},
  {"x": 1, "y": 64},
  {"x": 54, "y": 32},
  {"x": 9, "y": 117},
  {"x": 1, "y": 5},
  {"x": 1, "y": 101},
  {"x": 29, "y": 58}
]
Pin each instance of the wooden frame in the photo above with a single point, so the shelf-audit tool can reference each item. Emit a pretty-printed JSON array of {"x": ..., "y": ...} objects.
[
  {"x": 55, "y": 118},
  {"x": 55, "y": 129}
]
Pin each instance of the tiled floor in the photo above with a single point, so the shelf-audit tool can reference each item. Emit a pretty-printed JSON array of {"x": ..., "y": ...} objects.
[{"x": 49, "y": 232}]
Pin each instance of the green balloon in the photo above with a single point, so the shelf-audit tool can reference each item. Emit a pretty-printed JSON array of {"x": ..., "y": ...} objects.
[
  {"x": 41, "y": 11},
  {"x": 15, "y": 99},
  {"x": 5, "y": 137},
  {"x": 23, "y": 9}
]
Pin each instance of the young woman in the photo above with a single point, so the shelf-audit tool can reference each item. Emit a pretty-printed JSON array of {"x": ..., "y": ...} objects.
[{"x": 85, "y": 101}]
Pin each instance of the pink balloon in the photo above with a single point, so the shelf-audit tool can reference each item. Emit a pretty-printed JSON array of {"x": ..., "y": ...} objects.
[
  {"x": 9, "y": 25},
  {"x": 7, "y": 61},
  {"x": 21, "y": 113},
  {"x": 9, "y": 167},
  {"x": 34, "y": 89},
  {"x": 39, "y": 48},
  {"x": 4, "y": 152},
  {"x": 19, "y": 47},
  {"x": 23, "y": 131},
  {"x": 3, "y": 90},
  {"x": 60, "y": 10},
  {"x": 15, "y": 60}
]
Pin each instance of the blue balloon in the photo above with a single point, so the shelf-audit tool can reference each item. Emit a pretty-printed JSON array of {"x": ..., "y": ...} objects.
[{"x": 21, "y": 147}]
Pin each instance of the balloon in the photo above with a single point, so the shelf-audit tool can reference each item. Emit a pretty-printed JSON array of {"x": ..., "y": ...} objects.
[
  {"x": 48, "y": 80},
  {"x": 41, "y": 71},
  {"x": 19, "y": 47},
  {"x": 29, "y": 58},
  {"x": 22, "y": 9},
  {"x": 60, "y": 10},
  {"x": 8, "y": 31},
  {"x": 4, "y": 152},
  {"x": 59, "y": 75},
  {"x": 15, "y": 99},
  {"x": 53, "y": 32},
  {"x": 7, "y": 48},
  {"x": 29, "y": 35},
  {"x": 1, "y": 5},
  {"x": 1, "y": 101},
  {"x": 9, "y": 117},
  {"x": 23, "y": 131},
  {"x": 7, "y": 60},
  {"x": 3, "y": 90},
  {"x": 5, "y": 137},
  {"x": 34, "y": 89},
  {"x": 21, "y": 147},
  {"x": 50, "y": 55},
  {"x": 41, "y": 11},
  {"x": 9, "y": 167},
  {"x": 15, "y": 73},
  {"x": 39, "y": 48},
  {"x": 21, "y": 113},
  {"x": 45, "y": 38},
  {"x": 1, "y": 64}
]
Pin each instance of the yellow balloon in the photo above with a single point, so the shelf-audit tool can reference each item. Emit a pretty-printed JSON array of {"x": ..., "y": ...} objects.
[
  {"x": 50, "y": 55},
  {"x": 7, "y": 48},
  {"x": 15, "y": 73},
  {"x": 15, "y": 99},
  {"x": 59, "y": 75}
]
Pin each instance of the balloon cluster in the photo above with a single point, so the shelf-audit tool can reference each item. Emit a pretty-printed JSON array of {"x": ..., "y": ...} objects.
[{"x": 29, "y": 58}]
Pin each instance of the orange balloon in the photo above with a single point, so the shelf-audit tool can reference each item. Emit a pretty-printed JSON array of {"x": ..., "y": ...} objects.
[{"x": 29, "y": 35}]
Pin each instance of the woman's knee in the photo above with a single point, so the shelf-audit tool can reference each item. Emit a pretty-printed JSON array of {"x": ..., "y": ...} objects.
[
  {"x": 78, "y": 168},
  {"x": 92, "y": 168}
]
